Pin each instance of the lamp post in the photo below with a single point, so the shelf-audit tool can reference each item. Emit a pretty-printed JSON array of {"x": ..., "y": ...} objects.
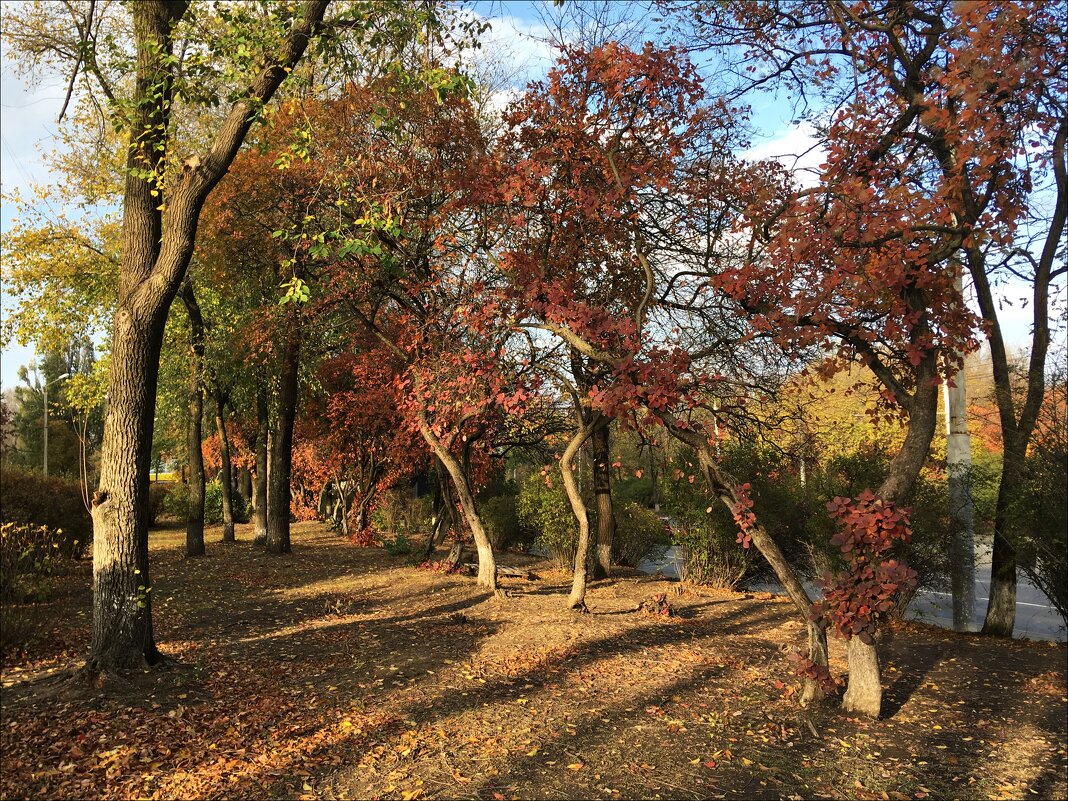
[{"x": 46, "y": 385}]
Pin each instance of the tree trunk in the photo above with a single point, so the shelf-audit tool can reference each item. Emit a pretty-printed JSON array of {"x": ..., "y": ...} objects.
[
  {"x": 1001, "y": 609},
  {"x": 577, "y": 599},
  {"x": 602, "y": 488},
  {"x": 487, "y": 566},
  {"x": 279, "y": 491},
  {"x": 864, "y": 691},
  {"x": 154, "y": 261},
  {"x": 227, "y": 470},
  {"x": 194, "y": 526},
  {"x": 864, "y": 695},
  {"x": 259, "y": 484},
  {"x": 723, "y": 487}
]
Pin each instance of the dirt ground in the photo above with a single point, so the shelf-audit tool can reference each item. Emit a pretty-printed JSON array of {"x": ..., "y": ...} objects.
[{"x": 342, "y": 672}]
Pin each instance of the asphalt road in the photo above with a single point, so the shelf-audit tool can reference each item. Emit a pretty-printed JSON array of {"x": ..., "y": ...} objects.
[{"x": 1036, "y": 619}]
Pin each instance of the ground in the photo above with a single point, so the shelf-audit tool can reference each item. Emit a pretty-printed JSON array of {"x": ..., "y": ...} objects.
[{"x": 343, "y": 672}]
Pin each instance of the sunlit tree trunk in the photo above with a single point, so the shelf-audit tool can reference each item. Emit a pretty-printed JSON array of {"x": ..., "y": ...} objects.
[{"x": 227, "y": 469}]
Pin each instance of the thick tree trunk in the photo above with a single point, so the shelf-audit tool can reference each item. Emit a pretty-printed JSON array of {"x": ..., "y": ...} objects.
[
  {"x": 194, "y": 526},
  {"x": 154, "y": 261},
  {"x": 864, "y": 695},
  {"x": 227, "y": 470},
  {"x": 122, "y": 600},
  {"x": 278, "y": 490},
  {"x": 864, "y": 691},
  {"x": 577, "y": 599},
  {"x": 600, "y": 444},
  {"x": 259, "y": 483}
]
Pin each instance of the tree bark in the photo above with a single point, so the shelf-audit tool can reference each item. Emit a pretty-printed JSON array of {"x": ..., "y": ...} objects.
[
  {"x": 281, "y": 467},
  {"x": 259, "y": 483},
  {"x": 577, "y": 599},
  {"x": 487, "y": 566},
  {"x": 194, "y": 525},
  {"x": 864, "y": 695},
  {"x": 227, "y": 470},
  {"x": 600, "y": 444},
  {"x": 154, "y": 261},
  {"x": 1000, "y": 617}
]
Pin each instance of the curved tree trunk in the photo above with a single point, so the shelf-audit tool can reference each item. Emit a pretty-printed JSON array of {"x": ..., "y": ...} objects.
[
  {"x": 600, "y": 444},
  {"x": 487, "y": 566},
  {"x": 227, "y": 470},
  {"x": 577, "y": 599},
  {"x": 281, "y": 467},
  {"x": 194, "y": 526},
  {"x": 259, "y": 482},
  {"x": 723, "y": 487},
  {"x": 864, "y": 691}
]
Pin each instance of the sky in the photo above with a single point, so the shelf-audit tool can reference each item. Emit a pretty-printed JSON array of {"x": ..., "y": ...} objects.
[{"x": 28, "y": 128}]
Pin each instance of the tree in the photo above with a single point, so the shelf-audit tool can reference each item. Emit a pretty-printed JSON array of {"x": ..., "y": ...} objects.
[
  {"x": 917, "y": 171},
  {"x": 156, "y": 249}
]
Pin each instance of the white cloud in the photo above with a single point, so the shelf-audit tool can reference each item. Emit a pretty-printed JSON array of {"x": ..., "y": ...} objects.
[{"x": 796, "y": 148}]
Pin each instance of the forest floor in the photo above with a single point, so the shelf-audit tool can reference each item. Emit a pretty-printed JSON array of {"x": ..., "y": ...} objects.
[{"x": 342, "y": 672}]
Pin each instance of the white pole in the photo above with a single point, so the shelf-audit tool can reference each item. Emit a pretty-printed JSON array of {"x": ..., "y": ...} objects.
[{"x": 961, "y": 506}]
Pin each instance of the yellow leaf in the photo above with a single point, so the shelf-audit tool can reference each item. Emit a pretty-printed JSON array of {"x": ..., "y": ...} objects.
[
  {"x": 532, "y": 752},
  {"x": 746, "y": 762},
  {"x": 411, "y": 795},
  {"x": 575, "y": 766}
]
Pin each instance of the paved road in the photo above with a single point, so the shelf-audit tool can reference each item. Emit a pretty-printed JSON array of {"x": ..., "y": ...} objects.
[{"x": 1036, "y": 619}]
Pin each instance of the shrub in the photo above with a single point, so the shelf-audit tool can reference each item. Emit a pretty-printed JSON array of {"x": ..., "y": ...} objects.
[
  {"x": 546, "y": 512},
  {"x": 501, "y": 521},
  {"x": 213, "y": 503},
  {"x": 29, "y": 554},
  {"x": 638, "y": 531},
  {"x": 176, "y": 503},
  {"x": 157, "y": 500},
  {"x": 397, "y": 546},
  {"x": 53, "y": 502}
]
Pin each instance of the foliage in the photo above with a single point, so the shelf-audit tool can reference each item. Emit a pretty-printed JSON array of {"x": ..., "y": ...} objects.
[
  {"x": 28, "y": 557},
  {"x": 52, "y": 502},
  {"x": 176, "y": 503},
  {"x": 500, "y": 518},
  {"x": 397, "y": 546},
  {"x": 638, "y": 531},
  {"x": 867, "y": 591},
  {"x": 213, "y": 512},
  {"x": 157, "y": 500},
  {"x": 1042, "y": 511},
  {"x": 544, "y": 509}
]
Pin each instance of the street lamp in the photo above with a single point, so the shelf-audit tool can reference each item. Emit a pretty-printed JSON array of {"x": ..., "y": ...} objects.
[{"x": 46, "y": 385}]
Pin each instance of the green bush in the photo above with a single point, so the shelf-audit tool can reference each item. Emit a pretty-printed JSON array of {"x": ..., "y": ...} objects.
[
  {"x": 53, "y": 502},
  {"x": 397, "y": 546},
  {"x": 213, "y": 495},
  {"x": 29, "y": 555},
  {"x": 633, "y": 490},
  {"x": 157, "y": 500},
  {"x": 176, "y": 503},
  {"x": 638, "y": 531},
  {"x": 501, "y": 521},
  {"x": 546, "y": 512}
]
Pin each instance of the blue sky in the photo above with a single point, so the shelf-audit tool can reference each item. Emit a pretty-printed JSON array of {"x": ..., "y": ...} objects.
[{"x": 28, "y": 128}]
